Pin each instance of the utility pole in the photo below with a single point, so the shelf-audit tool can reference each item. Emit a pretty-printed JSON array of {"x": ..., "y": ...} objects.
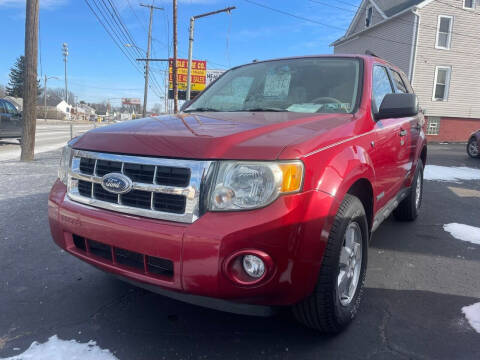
[
  {"x": 174, "y": 65},
  {"x": 45, "y": 95},
  {"x": 30, "y": 81},
  {"x": 65, "y": 59},
  {"x": 147, "y": 60},
  {"x": 190, "y": 44},
  {"x": 45, "y": 98}
]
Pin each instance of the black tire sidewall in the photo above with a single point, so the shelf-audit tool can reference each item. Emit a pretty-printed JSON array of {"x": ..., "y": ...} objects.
[
  {"x": 413, "y": 193},
  {"x": 468, "y": 148},
  {"x": 354, "y": 213}
]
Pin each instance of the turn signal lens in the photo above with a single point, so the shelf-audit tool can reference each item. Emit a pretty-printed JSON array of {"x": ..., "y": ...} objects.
[{"x": 292, "y": 177}]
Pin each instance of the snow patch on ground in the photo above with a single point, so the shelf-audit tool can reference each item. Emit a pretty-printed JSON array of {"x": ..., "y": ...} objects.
[
  {"x": 463, "y": 232},
  {"x": 453, "y": 174},
  {"x": 57, "y": 349},
  {"x": 472, "y": 313}
]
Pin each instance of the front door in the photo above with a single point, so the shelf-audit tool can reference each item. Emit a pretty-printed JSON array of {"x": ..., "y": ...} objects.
[
  {"x": 390, "y": 142},
  {"x": 12, "y": 122}
]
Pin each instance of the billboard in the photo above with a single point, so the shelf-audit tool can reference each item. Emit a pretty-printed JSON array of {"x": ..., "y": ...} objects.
[
  {"x": 130, "y": 101},
  {"x": 198, "y": 76}
]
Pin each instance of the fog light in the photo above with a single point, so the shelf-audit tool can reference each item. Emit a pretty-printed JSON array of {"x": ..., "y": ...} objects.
[{"x": 253, "y": 266}]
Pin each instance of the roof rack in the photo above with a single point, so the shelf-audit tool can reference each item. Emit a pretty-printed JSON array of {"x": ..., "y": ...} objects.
[{"x": 371, "y": 53}]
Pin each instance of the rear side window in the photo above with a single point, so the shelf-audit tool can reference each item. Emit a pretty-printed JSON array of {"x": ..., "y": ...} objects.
[
  {"x": 399, "y": 84},
  {"x": 3, "y": 109},
  {"x": 381, "y": 85}
]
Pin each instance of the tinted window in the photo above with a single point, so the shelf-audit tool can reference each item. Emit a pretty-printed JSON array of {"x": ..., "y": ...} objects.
[
  {"x": 399, "y": 84},
  {"x": 3, "y": 110},
  {"x": 381, "y": 85},
  {"x": 10, "y": 108}
]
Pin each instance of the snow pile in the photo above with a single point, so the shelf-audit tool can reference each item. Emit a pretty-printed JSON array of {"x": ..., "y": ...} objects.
[
  {"x": 453, "y": 174},
  {"x": 463, "y": 232},
  {"x": 56, "y": 349},
  {"x": 472, "y": 313}
]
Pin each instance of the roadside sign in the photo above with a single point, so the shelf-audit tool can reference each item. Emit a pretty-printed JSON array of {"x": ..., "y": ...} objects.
[
  {"x": 213, "y": 75},
  {"x": 199, "y": 72}
]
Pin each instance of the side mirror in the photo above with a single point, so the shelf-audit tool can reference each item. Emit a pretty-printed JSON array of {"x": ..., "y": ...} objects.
[{"x": 397, "y": 106}]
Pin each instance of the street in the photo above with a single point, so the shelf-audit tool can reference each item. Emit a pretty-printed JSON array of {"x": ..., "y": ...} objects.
[
  {"x": 48, "y": 137},
  {"x": 418, "y": 280}
]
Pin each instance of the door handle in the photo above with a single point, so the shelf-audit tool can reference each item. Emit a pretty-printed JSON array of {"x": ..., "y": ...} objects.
[{"x": 403, "y": 132}]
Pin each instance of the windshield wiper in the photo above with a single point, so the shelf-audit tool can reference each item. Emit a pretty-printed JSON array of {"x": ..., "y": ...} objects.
[
  {"x": 259, "y": 109},
  {"x": 201, "y": 109}
]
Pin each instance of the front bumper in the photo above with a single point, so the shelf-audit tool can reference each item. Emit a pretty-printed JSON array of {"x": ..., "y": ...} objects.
[{"x": 293, "y": 231}]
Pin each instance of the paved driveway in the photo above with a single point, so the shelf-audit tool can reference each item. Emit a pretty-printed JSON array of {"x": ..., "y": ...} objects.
[{"x": 418, "y": 280}]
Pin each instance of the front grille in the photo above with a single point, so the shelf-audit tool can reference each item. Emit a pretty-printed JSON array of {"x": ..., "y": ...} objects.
[
  {"x": 148, "y": 265},
  {"x": 138, "y": 199},
  {"x": 171, "y": 176},
  {"x": 105, "y": 167},
  {"x": 169, "y": 203},
  {"x": 140, "y": 173},
  {"x": 162, "y": 188},
  {"x": 85, "y": 188},
  {"x": 101, "y": 194}
]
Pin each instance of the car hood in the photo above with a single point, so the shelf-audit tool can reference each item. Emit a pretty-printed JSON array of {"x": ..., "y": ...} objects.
[{"x": 240, "y": 135}]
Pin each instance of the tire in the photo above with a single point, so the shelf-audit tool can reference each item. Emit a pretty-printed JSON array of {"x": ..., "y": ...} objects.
[
  {"x": 473, "y": 148},
  {"x": 324, "y": 310},
  {"x": 409, "y": 208}
]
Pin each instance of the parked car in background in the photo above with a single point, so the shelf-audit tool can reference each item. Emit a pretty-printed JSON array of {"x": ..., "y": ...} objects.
[
  {"x": 263, "y": 193},
  {"x": 11, "y": 121},
  {"x": 473, "y": 145}
]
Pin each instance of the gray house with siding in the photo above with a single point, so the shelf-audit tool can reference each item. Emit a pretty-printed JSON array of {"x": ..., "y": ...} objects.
[{"x": 437, "y": 44}]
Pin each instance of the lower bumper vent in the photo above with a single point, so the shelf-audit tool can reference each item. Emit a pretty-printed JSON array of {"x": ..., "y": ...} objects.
[{"x": 148, "y": 265}]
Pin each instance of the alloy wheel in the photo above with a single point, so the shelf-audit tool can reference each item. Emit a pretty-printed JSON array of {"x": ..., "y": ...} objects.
[{"x": 350, "y": 264}]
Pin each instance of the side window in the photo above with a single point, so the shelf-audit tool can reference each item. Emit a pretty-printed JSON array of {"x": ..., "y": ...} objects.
[
  {"x": 368, "y": 16},
  {"x": 442, "y": 83},
  {"x": 399, "y": 84},
  {"x": 3, "y": 109},
  {"x": 381, "y": 85},
  {"x": 10, "y": 108},
  {"x": 444, "y": 32}
]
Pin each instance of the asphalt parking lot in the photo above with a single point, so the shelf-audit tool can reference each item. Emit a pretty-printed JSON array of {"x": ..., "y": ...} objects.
[{"x": 419, "y": 278}]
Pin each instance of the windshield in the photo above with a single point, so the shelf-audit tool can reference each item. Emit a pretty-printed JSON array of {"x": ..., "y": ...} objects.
[{"x": 309, "y": 85}]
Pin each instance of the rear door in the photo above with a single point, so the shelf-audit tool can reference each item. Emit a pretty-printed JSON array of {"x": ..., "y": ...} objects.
[{"x": 390, "y": 141}]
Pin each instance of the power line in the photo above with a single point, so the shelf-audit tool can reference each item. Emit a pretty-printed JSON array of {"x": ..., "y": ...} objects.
[
  {"x": 112, "y": 36},
  {"x": 118, "y": 32},
  {"x": 341, "y": 29}
]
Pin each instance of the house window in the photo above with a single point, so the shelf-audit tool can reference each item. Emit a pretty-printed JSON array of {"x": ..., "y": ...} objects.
[
  {"x": 444, "y": 32},
  {"x": 433, "y": 127},
  {"x": 368, "y": 17},
  {"x": 469, "y": 4},
  {"x": 442, "y": 83}
]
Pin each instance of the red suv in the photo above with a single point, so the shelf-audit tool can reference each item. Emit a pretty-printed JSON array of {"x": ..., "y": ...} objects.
[{"x": 262, "y": 193}]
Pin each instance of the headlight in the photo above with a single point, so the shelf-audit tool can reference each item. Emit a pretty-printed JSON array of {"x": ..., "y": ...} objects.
[
  {"x": 242, "y": 185},
  {"x": 65, "y": 164}
]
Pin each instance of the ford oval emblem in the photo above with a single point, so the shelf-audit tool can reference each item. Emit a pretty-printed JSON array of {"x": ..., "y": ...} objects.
[{"x": 117, "y": 183}]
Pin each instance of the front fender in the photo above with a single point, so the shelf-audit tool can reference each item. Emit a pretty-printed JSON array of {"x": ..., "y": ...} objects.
[{"x": 338, "y": 171}]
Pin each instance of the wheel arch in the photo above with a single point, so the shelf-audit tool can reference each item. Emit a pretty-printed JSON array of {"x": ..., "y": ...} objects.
[{"x": 363, "y": 190}]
